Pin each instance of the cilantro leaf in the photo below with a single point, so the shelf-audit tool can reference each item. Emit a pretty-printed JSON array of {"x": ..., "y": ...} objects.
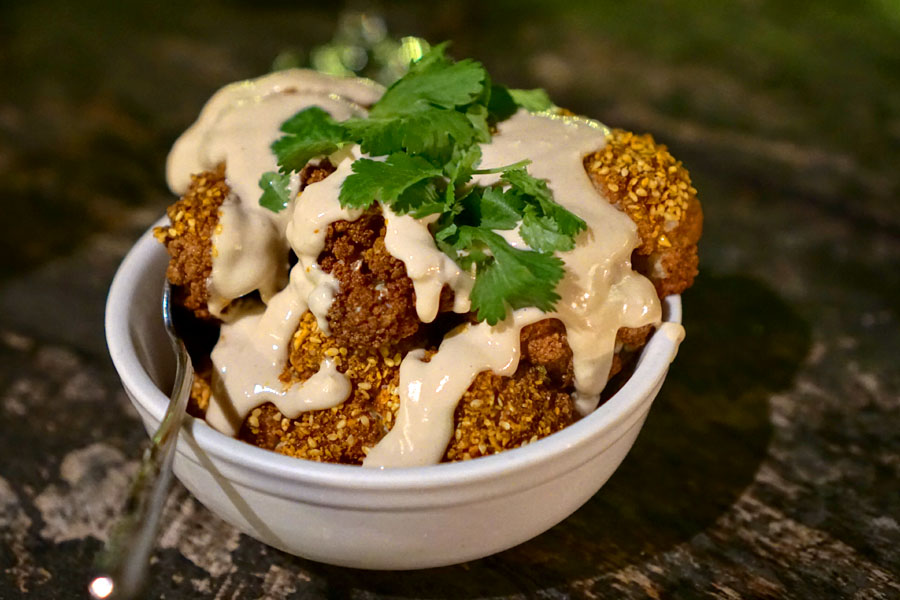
[
  {"x": 434, "y": 55},
  {"x": 527, "y": 184},
  {"x": 542, "y": 233},
  {"x": 500, "y": 209},
  {"x": 433, "y": 132},
  {"x": 478, "y": 117},
  {"x": 312, "y": 121},
  {"x": 445, "y": 231},
  {"x": 463, "y": 162},
  {"x": 501, "y": 104},
  {"x": 534, "y": 100},
  {"x": 276, "y": 195},
  {"x": 294, "y": 152},
  {"x": 376, "y": 137},
  {"x": 384, "y": 181},
  {"x": 567, "y": 223},
  {"x": 310, "y": 133},
  {"x": 433, "y": 82},
  {"x": 517, "y": 278},
  {"x": 516, "y": 165},
  {"x": 421, "y": 199},
  {"x": 429, "y": 125},
  {"x": 459, "y": 242},
  {"x": 504, "y": 102}
]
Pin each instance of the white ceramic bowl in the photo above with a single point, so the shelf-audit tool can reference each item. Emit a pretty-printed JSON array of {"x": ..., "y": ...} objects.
[{"x": 376, "y": 519}]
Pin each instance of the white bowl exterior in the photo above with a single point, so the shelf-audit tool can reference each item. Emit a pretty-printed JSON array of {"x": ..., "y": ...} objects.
[
  {"x": 394, "y": 538},
  {"x": 349, "y": 516}
]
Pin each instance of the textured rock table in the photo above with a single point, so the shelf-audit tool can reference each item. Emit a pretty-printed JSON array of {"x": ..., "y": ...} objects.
[{"x": 770, "y": 463}]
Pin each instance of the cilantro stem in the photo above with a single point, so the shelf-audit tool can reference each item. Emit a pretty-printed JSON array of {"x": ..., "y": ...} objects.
[{"x": 518, "y": 165}]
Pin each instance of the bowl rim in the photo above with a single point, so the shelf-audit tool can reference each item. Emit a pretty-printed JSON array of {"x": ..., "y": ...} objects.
[{"x": 638, "y": 390}]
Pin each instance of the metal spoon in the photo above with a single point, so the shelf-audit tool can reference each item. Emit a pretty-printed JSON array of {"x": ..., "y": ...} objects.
[{"x": 122, "y": 565}]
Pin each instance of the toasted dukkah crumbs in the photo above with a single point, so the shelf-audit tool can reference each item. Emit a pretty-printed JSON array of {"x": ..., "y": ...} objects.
[
  {"x": 645, "y": 181},
  {"x": 496, "y": 413},
  {"x": 200, "y": 394},
  {"x": 341, "y": 434},
  {"x": 499, "y": 413},
  {"x": 188, "y": 238}
]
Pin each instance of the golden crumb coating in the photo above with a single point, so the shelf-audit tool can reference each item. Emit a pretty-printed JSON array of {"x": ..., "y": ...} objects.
[
  {"x": 496, "y": 413},
  {"x": 645, "y": 181},
  {"x": 343, "y": 433},
  {"x": 201, "y": 392},
  {"x": 188, "y": 238},
  {"x": 499, "y": 413}
]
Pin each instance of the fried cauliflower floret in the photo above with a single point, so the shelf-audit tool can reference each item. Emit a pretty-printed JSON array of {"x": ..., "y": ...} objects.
[
  {"x": 544, "y": 343},
  {"x": 654, "y": 190},
  {"x": 645, "y": 181},
  {"x": 343, "y": 433},
  {"x": 188, "y": 239},
  {"x": 375, "y": 303},
  {"x": 496, "y": 413},
  {"x": 189, "y": 236},
  {"x": 499, "y": 413}
]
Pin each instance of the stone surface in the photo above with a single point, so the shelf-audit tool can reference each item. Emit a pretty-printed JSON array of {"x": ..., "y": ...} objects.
[{"x": 770, "y": 463}]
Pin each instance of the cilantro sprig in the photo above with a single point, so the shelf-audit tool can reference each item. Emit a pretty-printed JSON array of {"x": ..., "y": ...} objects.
[{"x": 428, "y": 126}]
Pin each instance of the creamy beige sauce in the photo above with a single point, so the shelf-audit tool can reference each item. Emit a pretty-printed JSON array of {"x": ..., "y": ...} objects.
[
  {"x": 250, "y": 248},
  {"x": 430, "y": 391},
  {"x": 408, "y": 239},
  {"x": 600, "y": 292},
  {"x": 239, "y": 112},
  {"x": 250, "y": 255},
  {"x": 237, "y": 127},
  {"x": 311, "y": 214},
  {"x": 253, "y": 346},
  {"x": 252, "y": 351}
]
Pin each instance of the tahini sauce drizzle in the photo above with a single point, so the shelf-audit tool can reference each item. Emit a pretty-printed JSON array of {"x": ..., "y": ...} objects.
[
  {"x": 408, "y": 239},
  {"x": 600, "y": 293},
  {"x": 253, "y": 347},
  {"x": 237, "y": 127}
]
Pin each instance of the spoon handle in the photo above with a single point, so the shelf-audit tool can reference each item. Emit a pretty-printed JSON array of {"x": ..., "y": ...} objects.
[{"x": 121, "y": 566}]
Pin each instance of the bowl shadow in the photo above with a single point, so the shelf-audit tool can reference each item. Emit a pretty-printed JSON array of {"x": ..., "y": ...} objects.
[{"x": 701, "y": 446}]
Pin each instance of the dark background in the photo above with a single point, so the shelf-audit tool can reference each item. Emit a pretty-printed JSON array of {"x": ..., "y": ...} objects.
[{"x": 770, "y": 463}]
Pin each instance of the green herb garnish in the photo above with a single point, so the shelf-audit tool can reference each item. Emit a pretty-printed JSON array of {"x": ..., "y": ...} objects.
[
  {"x": 310, "y": 133},
  {"x": 276, "y": 195},
  {"x": 428, "y": 125}
]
